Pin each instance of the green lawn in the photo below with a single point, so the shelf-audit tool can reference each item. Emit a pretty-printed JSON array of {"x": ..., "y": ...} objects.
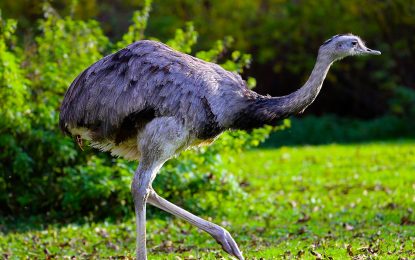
[{"x": 328, "y": 202}]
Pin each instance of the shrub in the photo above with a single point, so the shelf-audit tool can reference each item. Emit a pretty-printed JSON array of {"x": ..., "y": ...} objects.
[
  {"x": 312, "y": 130},
  {"x": 282, "y": 35},
  {"x": 43, "y": 172}
]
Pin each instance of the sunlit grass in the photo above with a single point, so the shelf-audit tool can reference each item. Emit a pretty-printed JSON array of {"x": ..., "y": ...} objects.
[{"x": 338, "y": 201}]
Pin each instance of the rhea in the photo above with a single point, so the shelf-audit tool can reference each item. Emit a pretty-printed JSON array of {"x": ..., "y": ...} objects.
[{"x": 148, "y": 102}]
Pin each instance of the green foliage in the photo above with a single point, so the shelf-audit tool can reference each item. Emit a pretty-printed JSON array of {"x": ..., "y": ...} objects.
[
  {"x": 328, "y": 129},
  {"x": 403, "y": 103},
  {"x": 284, "y": 36},
  {"x": 184, "y": 39},
  {"x": 138, "y": 26},
  {"x": 302, "y": 201},
  {"x": 13, "y": 84},
  {"x": 237, "y": 61},
  {"x": 217, "y": 51},
  {"x": 33, "y": 158},
  {"x": 63, "y": 49},
  {"x": 42, "y": 172}
]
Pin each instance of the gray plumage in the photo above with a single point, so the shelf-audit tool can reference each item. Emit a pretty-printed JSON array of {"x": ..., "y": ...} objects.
[
  {"x": 148, "y": 79},
  {"x": 148, "y": 102}
]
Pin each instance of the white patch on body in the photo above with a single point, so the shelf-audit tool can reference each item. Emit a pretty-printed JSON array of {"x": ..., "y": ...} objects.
[
  {"x": 163, "y": 137},
  {"x": 128, "y": 149}
]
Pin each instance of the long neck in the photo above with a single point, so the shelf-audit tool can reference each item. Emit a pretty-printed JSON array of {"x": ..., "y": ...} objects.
[
  {"x": 267, "y": 110},
  {"x": 299, "y": 100}
]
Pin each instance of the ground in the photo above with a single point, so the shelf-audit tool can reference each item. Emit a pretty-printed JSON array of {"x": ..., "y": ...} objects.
[{"x": 313, "y": 202}]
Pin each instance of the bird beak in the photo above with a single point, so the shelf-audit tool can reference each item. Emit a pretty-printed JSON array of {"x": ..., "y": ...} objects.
[{"x": 370, "y": 51}]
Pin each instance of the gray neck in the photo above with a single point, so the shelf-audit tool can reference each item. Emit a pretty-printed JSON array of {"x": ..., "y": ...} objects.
[
  {"x": 299, "y": 100},
  {"x": 268, "y": 110}
]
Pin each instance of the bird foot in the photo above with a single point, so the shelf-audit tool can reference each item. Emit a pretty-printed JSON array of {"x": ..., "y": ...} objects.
[{"x": 224, "y": 238}]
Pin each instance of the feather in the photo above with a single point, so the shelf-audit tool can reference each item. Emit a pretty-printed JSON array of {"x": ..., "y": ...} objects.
[{"x": 150, "y": 76}]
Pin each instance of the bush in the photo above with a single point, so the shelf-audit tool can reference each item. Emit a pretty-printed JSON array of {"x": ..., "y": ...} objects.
[
  {"x": 312, "y": 130},
  {"x": 43, "y": 172},
  {"x": 283, "y": 36}
]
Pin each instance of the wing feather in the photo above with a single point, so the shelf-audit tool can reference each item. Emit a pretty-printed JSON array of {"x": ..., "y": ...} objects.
[{"x": 145, "y": 76}]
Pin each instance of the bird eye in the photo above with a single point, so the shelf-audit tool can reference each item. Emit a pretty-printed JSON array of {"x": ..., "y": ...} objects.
[{"x": 354, "y": 43}]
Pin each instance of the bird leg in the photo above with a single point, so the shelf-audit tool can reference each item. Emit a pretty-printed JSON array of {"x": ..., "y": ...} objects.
[
  {"x": 159, "y": 141},
  {"x": 140, "y": 190},
  {"x": 220, "y": 234}
]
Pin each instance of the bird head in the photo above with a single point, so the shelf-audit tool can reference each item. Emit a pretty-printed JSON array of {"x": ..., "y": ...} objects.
[{"x": 343, "y": 45}]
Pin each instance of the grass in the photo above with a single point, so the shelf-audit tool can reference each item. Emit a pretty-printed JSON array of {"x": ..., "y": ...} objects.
[{"x": 316, "y": 202}]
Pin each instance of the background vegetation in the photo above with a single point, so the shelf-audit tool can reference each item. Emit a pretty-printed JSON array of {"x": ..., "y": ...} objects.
[
  {"x": 46, "y": 178},
  {"x": 43, "y": 172},
  {"x": 282, "y": 35}
]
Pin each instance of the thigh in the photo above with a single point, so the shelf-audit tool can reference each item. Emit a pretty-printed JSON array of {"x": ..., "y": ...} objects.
[{"x": 161, "y": 139}]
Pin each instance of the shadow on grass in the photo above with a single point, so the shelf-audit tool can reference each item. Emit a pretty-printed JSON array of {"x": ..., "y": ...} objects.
[{"x": 21, "y": 224}]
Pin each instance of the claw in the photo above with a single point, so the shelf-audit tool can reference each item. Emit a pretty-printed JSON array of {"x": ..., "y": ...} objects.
[{"x": 229, "y": 245}]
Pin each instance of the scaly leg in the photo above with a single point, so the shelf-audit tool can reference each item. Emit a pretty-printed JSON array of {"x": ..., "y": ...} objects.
[
  {"x": 220, "y": 234},
  {"x": 140, "y": 190},
  {"x": 161, "y": 139}
]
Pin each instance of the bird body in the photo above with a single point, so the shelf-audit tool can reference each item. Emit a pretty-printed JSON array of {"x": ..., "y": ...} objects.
[
  {"x": 148, "y": 102},
  {"x": 111, "y": 101}
]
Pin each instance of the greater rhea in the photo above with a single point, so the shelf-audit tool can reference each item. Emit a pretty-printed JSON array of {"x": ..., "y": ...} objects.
[{"x": 148, "y": 102}]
